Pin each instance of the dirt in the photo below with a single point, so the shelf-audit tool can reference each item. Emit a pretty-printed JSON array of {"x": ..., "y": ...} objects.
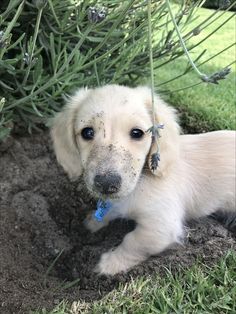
[{"x": 44, "y": 245}]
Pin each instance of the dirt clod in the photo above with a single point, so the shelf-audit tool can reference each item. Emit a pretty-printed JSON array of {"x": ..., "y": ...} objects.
[{"x": 44, "y": 244}]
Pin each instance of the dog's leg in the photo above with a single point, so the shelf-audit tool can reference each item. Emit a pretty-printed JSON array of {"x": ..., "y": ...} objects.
[
  {"x": 149, "y": 238},
  {"x": 93, "y": 225}
]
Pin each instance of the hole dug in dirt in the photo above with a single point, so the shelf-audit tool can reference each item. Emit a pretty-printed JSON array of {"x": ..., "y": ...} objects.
[{"x": 44, "y": 245}]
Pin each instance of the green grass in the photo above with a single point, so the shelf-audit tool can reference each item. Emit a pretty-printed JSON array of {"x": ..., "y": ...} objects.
[
  {"x": 208, "y": 106},
  {"x": 200, "y": 289}
]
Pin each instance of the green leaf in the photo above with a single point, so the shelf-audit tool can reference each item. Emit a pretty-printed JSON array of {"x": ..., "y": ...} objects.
[{"x": 4, "y": 132}]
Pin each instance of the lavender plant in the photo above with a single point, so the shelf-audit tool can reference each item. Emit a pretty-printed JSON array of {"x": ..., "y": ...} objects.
[{"x": 48, "y": 48}]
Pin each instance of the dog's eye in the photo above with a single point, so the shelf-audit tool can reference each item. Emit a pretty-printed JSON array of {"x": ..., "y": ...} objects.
[
  {"x": 87, "y": 134},
  {"x": 136, "y": 134}
]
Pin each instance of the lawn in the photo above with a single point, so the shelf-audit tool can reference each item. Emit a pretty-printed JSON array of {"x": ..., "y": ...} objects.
[
  {"x": 207, "y": 106},
  {"x": 201, "y": 289},
  {"x": 198, "y": 290}
]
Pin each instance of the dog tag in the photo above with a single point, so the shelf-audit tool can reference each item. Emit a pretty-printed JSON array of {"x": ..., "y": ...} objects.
[{"x": 103, "y": 208}]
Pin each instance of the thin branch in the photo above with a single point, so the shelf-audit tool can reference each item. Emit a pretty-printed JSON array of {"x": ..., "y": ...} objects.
[
  {"x": 167, "y": 92},
  {"x": 199, "y": 65}
]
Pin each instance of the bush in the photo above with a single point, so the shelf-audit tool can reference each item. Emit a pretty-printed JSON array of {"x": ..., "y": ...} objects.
[{"x": 48, "y": 48}]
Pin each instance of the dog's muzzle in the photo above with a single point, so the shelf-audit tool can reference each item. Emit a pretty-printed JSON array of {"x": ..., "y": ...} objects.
[{"x": 108, "y": 183}]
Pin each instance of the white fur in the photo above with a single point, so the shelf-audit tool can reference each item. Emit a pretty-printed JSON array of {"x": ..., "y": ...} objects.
[{"x": 196, "y": 175}]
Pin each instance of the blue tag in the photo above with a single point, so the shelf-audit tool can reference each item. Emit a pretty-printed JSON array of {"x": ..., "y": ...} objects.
[{"x": 103, "y": 208}]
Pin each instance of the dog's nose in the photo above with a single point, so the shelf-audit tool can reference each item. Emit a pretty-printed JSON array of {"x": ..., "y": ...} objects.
[{"x": 108, "y": 183}]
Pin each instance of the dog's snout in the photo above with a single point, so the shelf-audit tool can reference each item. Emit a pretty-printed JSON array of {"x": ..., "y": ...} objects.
[{"x": 108, "y": 183}]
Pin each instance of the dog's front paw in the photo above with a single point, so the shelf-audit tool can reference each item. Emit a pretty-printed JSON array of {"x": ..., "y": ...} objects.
[
  {"x": 93, "y": 225},
  {"x": 112, "y": 263}
]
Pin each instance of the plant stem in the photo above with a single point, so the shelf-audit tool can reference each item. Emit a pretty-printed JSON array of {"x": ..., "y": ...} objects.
[
  {"x": 198, "y": 43},
  {"x": 151, "y": 59},
  {"x": 200, "y": 64},
  {"x": 168, "y": 92},
  {"x": 33, "y": 45},
  {"x": 11, "y": 25},
  {"x": 182, "y": 41}
]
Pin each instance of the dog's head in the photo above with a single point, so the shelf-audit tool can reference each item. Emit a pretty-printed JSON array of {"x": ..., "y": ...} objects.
[{"x": 102, "y": 134}]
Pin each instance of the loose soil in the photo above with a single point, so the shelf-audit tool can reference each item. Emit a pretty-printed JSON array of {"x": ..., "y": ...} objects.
[{"x": 44, "y": 245}]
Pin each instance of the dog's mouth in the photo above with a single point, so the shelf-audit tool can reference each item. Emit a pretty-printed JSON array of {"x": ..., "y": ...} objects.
[
  {"x": 111, "y": 192},
  {"x": 104, "y": 196}
]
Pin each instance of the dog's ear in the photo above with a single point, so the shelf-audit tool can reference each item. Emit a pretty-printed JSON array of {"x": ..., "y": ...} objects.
[
  {"x": 168, "y": 142},
  {"x": 63, "y": 136}
]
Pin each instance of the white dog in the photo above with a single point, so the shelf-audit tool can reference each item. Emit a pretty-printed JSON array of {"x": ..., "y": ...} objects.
[{"x": 102, "y": 135}]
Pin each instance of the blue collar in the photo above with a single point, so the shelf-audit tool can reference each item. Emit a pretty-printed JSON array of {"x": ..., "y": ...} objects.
[{"x": 102, "y": 209}]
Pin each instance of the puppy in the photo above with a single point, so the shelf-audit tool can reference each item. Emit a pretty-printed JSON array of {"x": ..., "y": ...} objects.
[{"x": 102, "y": 135}]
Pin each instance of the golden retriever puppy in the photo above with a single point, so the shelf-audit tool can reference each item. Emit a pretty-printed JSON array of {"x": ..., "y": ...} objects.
[{"x": 102, "y": 135}]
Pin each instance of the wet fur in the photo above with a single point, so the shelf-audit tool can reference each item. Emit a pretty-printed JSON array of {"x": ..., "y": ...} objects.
[{"x": 195, "y": 177}]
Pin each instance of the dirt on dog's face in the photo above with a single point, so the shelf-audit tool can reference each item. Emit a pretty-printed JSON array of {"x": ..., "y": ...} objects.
[{"x": 110, "y": 133}]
